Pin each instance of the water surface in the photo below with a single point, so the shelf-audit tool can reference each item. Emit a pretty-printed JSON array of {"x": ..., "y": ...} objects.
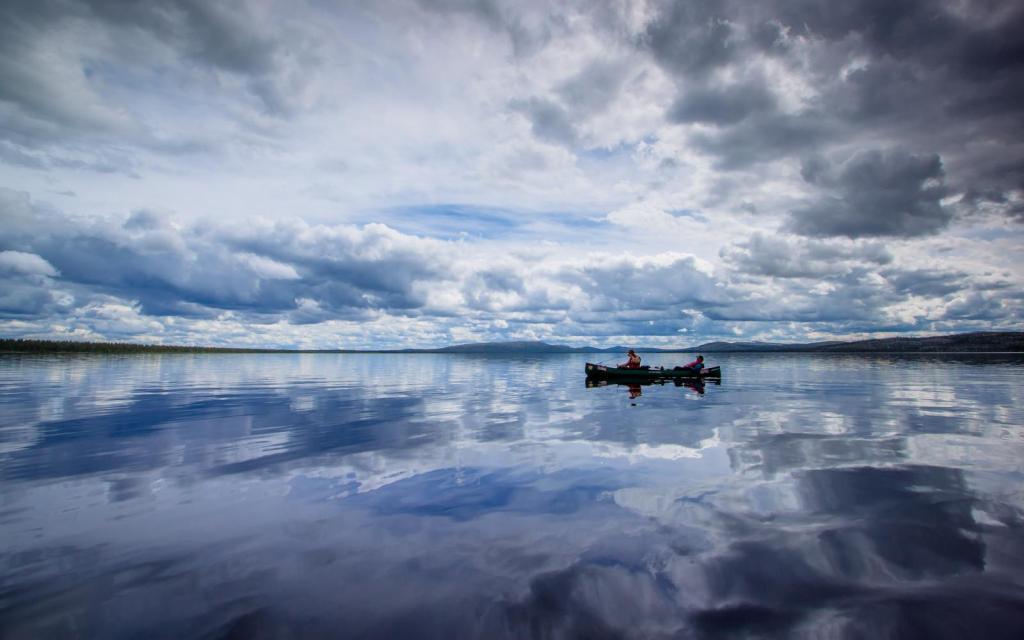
[{"x": 446, "y": 496}]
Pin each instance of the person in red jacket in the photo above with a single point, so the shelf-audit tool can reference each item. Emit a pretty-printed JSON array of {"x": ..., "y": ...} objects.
[
  {"x": 696, "y": 365},
  {"x": 633, "y": 362}
]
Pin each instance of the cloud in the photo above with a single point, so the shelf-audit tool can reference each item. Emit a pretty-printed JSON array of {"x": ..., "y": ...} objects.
[
  {"x": 926, "y": 70},
  {"x": 653, "y": 284},
  {"x": 549, "y": 121},
  {"x": 872, "y": 194},
  {"x": 926, "y": 282},
  {"x": 226, "y": 36},
  {"x": 43, "y": 91},
  {"x": 26, "y": 286},
  {"x": 157, "y": 271},
  {"x": 779, "y": 257},
  {"x": 147, "y": 276},
  {"x": 527, "y": 31},
  {"x": 978, "y": 305},
  {"x": 65, "y": 65},
  {"x": 692, "y": 38},
  {"x": 849, "y": 285},
  {"x": 19, "y": 262},
  {"x": 917, "y": 73},
  {"x": 721, "y": 105},
  {"x": 595, "y": 87},
  {"x": 20, "y": 300},
  {"x": 502, "y": 148},
  {"x": 763, "y": 137},
  {"x": 262, "y": 270}
]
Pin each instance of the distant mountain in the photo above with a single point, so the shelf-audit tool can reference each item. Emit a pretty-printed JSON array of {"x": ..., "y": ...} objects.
[
  {"x": 963, "y": 342},
  {"x": 718, "y": 347}
]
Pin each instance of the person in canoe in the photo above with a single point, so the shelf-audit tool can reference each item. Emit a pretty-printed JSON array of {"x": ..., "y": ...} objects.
[
  {"x": 633, "y": 362},
  {"x": 694, "y": 366}
]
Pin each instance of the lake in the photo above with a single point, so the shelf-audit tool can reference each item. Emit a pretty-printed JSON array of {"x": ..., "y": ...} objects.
[{"x": 449, "y": 496}]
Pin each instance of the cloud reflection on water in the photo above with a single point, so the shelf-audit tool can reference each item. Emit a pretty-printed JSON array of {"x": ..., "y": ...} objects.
[{"x": 386, "y": 496}]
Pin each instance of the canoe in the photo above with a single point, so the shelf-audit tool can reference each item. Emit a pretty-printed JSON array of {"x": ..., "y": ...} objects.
[{"x": 649, "y": 373}]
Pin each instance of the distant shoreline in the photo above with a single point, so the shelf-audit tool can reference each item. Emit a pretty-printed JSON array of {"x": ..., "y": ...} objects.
[{"x": 979, "y": 342}]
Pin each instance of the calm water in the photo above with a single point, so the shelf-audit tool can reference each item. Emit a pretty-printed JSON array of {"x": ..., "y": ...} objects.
[{"x": 387, "y": 496}]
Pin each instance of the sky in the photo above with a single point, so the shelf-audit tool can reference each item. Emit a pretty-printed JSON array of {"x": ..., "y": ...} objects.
[{"x": 415, "y": 173}]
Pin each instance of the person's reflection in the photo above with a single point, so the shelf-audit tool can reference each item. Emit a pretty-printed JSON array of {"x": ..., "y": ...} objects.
[
  {"x": 696, "y": 386},
  {"x": 635, "y": 391}
]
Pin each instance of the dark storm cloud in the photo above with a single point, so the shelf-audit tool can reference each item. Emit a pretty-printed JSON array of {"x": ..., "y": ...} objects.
[
  {"x": 973, "y": 37},
  {"x": 892, "y": 28},
  {"x": 721, "y": 105},
  {"x": 880, "y": 94},
  {"x": 941, "y": 78},
  {"x": 693, "y": 41},
  {"x": 976, "y": 43},
  {"x": 693, "y": 38},
  {"x": 762, "y": 137},
  {"x": 874, "y": 193}
]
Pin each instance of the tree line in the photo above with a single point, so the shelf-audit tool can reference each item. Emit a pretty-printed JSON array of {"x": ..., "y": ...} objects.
[{"x": 72, "y": 346}]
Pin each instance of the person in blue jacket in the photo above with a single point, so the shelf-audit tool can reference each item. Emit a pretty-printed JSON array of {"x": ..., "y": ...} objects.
[{"x": 694, "y": 366}]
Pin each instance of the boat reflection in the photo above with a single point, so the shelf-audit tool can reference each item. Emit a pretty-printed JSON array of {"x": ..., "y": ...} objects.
[{"x": 635, "y": 388}]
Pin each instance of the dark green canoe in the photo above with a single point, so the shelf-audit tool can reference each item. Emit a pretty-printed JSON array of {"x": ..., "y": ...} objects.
[{"x": 649, "y": 373}]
